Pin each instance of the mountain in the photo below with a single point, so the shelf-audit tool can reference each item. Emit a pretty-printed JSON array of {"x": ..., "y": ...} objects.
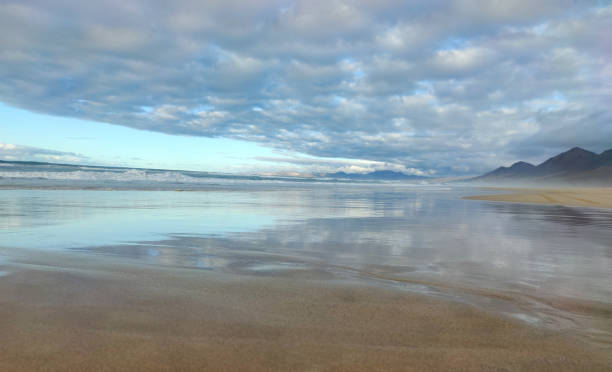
[
  {"x": 573, "y": 160},
  {"x": 376, "y": 175},
  {"x": 605, "y": 158},
  {"x": 576, "y": 166},
  {"x": 518, "y": 169}
]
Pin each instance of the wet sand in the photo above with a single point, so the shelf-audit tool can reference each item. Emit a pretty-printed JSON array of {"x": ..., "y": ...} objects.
[
  {"x": 71, "y": 312},
  {"x": 578, "y": 197}
]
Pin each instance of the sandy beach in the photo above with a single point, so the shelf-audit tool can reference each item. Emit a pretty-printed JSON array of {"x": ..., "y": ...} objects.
[
  {"x": 67, "y": 312},
  {"x": 578, "y": 197}
]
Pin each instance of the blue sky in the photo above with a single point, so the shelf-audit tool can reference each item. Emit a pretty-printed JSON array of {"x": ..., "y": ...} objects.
[
  {"x": 297, "y": 87},
  {"x": 104, "y": 144}
]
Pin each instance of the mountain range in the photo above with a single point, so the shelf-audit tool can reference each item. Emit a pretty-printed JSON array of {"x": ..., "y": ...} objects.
[
  {"x": 376, "y": 175},
  {"x": 576, "y": 166}
]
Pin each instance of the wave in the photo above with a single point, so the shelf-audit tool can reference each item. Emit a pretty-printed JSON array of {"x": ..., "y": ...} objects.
[
  {"x": 141, "y": 176},
  {"x": 103, "y": 177},
  {"x": 130, "y": 175}
]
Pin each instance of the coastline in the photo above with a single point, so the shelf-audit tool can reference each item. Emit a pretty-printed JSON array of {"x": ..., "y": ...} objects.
[
  {"x": 66, "y": 311},
  {"x": 600, "y": 197}
]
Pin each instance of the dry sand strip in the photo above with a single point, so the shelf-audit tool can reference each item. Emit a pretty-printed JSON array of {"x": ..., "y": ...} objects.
[
  {"x": 578, "y": 197},
  {"x": 77, "y": 315}
]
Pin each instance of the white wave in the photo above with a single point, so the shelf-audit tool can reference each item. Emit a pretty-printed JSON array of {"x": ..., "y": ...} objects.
[
  {"x": 176, "y": 177},
  {"x": 131, "y": 175},
  {"x": 83, "y": 167}
]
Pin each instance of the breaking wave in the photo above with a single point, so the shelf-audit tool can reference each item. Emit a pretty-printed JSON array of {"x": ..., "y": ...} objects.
[
  {"x": 42, "y": 175},
  {"x": 130, "y": 175}
]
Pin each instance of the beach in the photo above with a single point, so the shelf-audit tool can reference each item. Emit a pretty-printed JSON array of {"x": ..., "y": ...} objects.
[
  {"x": 600, "y": 197},
  {"x": 300, "y": 277},
  {"x": 65, "y": 312},
  {"x": 298, "y": 186}
]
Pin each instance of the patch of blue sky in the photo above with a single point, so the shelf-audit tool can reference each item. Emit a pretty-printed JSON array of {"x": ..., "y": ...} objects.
[
  {"x": 113, "y": 145},
  {"x": 424, "y": 87},
  {"x": 196, "y": 110},
  {"x": 454, "y": 43},
  {"x": 559, "y": 96},
  {"x": 358, "y": 74},
  {"x": 337, "y": 100}
]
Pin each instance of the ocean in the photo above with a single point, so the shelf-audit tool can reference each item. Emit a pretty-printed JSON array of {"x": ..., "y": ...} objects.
[{"x": 421, "y": 238}]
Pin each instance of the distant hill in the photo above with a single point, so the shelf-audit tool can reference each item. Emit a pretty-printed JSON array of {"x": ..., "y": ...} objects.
[
  {"x": 376, "y": 175},
  {"x": 518, "y": 169},
  {"x": 574, "y": 160},
  {"x": 576, "y": 166}
]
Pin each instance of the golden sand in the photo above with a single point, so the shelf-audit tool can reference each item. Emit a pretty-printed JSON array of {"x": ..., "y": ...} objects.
[
  {"x": 73, "y": 314},
  {"x": 579, "y": 197}
]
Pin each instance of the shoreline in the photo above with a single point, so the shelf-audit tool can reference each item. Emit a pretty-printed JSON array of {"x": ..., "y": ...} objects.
[
  {"x": 600, "y": 197},
  {"x": 69, "y": 311}
]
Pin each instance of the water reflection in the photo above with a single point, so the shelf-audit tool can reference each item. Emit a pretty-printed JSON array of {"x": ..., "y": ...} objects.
[
  {"x": 477, "y": 252},
  {"x": 332, "y": 229},
  {"x": 571, "y": 216}
]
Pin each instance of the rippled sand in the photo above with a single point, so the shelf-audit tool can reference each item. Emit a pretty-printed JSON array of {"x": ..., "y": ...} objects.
[
  {"x": 583, "y": 197},
  {"x": 64, "y": 312}
]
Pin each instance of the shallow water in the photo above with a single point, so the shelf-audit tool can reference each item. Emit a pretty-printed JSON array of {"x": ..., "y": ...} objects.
[{"x": 388, "y": 233}]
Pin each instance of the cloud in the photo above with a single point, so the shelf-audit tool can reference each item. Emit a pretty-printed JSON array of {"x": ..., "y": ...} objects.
[
  {"x": 446, "y": 87},
  {"x": 11, "y": 152}
]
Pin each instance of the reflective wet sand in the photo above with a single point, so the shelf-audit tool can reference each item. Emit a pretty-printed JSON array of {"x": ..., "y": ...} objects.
[
  {"x": 301, "y": 277},
  {"x": 64, "y": 312}
]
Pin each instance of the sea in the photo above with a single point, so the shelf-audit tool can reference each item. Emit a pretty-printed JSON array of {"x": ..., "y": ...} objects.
[{"x": 416, "y": 237}]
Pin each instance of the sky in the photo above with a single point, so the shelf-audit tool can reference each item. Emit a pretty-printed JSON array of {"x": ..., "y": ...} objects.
[{"x": 437, "y": 88}]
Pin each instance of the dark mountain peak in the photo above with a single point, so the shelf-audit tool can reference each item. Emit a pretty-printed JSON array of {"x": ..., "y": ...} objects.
[
  {"x": 522, "y": 165},
  {"x": 386, "y": 172},
  {"x": 518, "y": 169},
  {"x": 575, "y": 152},
  {"x": 338, "y": 174},
  {"x": 578, "y": 151},
  {"x": 574, "y": 166},
  {"x": 571, "y": 160}
]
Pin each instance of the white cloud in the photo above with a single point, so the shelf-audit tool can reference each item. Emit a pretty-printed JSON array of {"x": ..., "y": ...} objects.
[
  {"x": 6, "y": 147},
  {"x": 430, "y": 85},
  {"x": 12, "y": 152}
]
